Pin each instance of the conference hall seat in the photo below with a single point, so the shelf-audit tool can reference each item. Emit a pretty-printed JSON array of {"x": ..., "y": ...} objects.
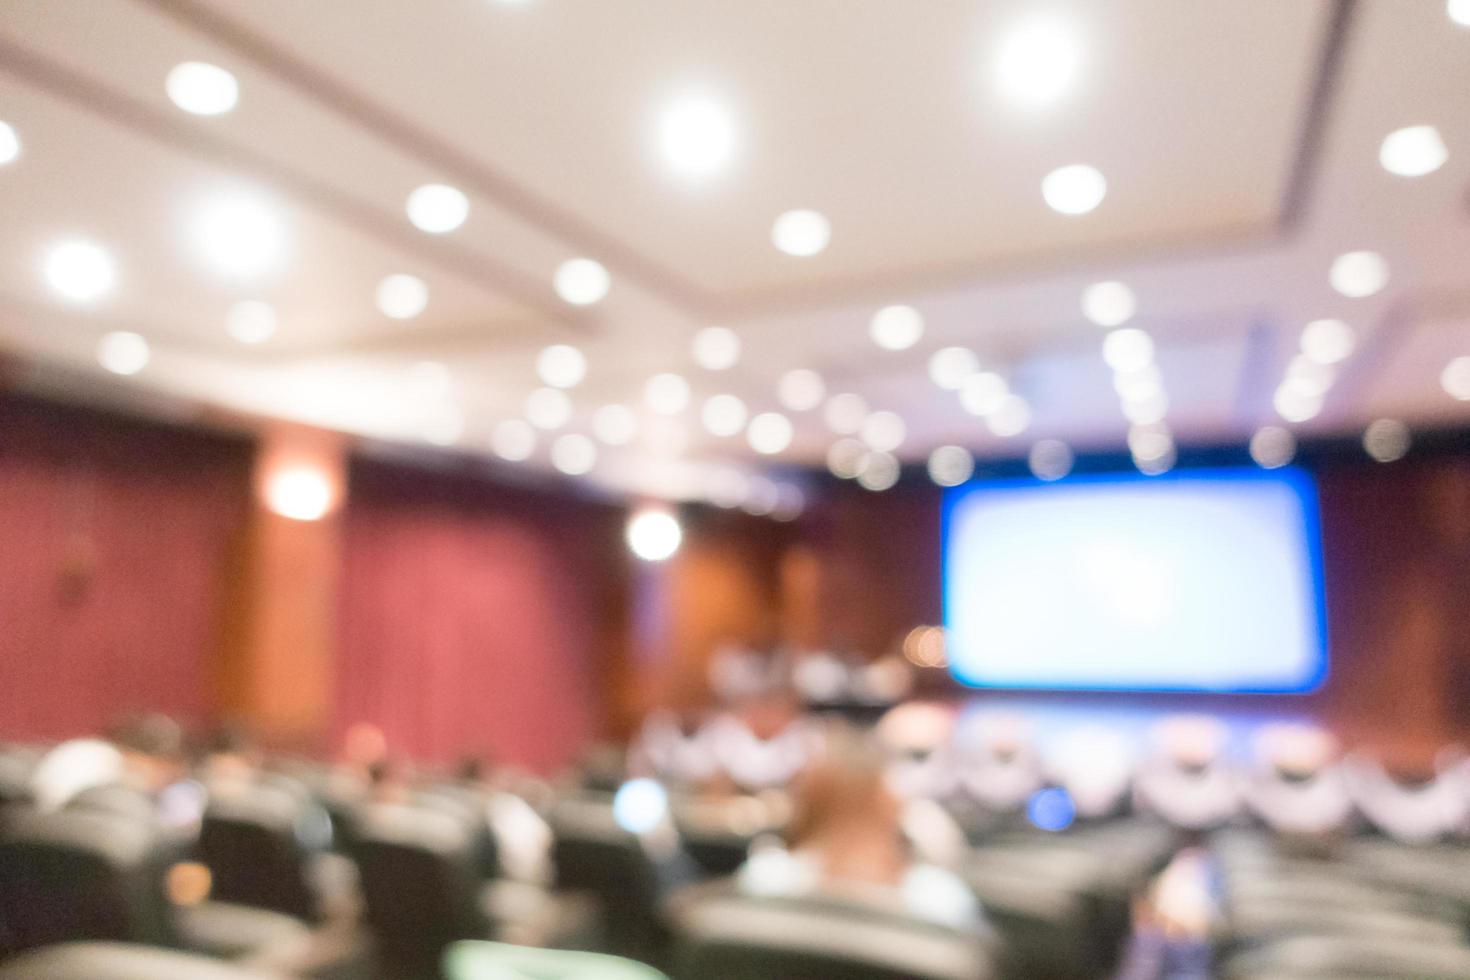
[
  {"x": 78, "y": 874},
  {"x": 473, "y": 960},
  {"x": 122, "y": 961},
  {"x": 720, "y": 934},
  {"x": 1350, "y": 958}
]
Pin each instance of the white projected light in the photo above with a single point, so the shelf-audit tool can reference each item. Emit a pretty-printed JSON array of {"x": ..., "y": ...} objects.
[
  {"x": 402, "y": 297},
  {"x": 123, "y": 352},
  {"x": 561, "y": 365},
  {"x": 1050, "y": 460},
  {"x": 883, "y": 431},
  {"x": 801, "y": 233},
  {"x": 666, "y": 394},
  {"x": 513, "y": 439},
  {"x": 951, "y": 367},
  {"x": 844, "y": 413},
  {"x": 1358, "y": 274},
  {"x": 716, "y": 348},
  {"x": 1413, "y": 151},
  {"x": 79, "y": 271},
  {"x": 1037, "y": 62},
  {"x": 1272, "y": 447},
  {"x": 696, "y": 136},
  {"x": 896, "y": 327},
  {"x": 582, "y": 282},
  {"x": 9, "y": 143},
  {"x": 1074, "y": 189},
  {"x": 437, "y": 208},
  {"x": 251, "y": 321},
  {"x": 1109, "y": 304},
  {"x": 548, "y": 408},
  {"x": 949, "y": 466},
  {"x": 723, "y": 415},
  {"x": 573, "y": 454},
  {"x": 1455, "y": 379},
  {"x": 615, "y": 425},
  {"x": 769, "y": 433},
  {"x": 654, "y": 535},
  {"x": 202, "y": 89},
  {"x": 1387, "y": 440},
  {"x": 801, "y": 390},
  {"x": 1099, "y": 584}
]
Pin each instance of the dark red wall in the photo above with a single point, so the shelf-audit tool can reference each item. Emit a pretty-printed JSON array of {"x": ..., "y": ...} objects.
[{"x": 114, "y": 538}]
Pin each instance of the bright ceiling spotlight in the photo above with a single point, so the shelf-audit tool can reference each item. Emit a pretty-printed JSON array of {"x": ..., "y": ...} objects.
[
  {"x": 1011, "y": 418},
  {"x": 513, "y": 439},
  {"x": 801, "y": 233},
  {"x": 1074, "y": 189},
  {"x": 949, "y": 466},
  {"x": 696, "y": 136},
  {"x": 1296, "y": 404},
  {"x": 299, "y": 494},
  {"x": 573, "y": 454},
  {"x": 844, "y": 413},
  {"x": 1037, "y": 62},
  {"x": 1387, "y": 440},
  {"x": 79, "y": 271},
  {"x": 9, "y": 143},
  {"x": 723, "y": 415},
  {"x": 615, "y": 425},
  {"x": 769, "y": 433},
  {"x": 1456, "y": 379},
  {"x": 1109, "y": 304},
  {"x": 1149, "y": 442},
  {"x": 1144, "y": 383},
  {"x": 561, "y": 365},
  {"x": 666, "y": 394},
  {"x": 1128, "y": 349},
  {"x": 1272, "y": 447},
  {"x": 123, "y": 352},
  {"x": 1413, "y": 151},
  {"x": 582, "y": 282},
  {"x": 202, "y": 89},
  {"x": 845, "y": 458},
  {"x": 879, "y": 472},
  {"x": 240, "y": 234},
  {"x": 883, "y": 431},
  {"x": 1050, "y": 460},
  {"x": 896, "y": 327},
  {"x": 1328, "y": 341},
  {"x": 402, "y": 297},
  {"x": 1459, "y": 11},
  {"x": 716, "y": 348},
  {"x": 801, "y": 390},
  {"x": 1308, "y": 376},
  {"x": 653, "y": 535},
  {"x": 251, "y": 321},
  {"x": 437, "y": 208},
  {"x": 548, "y": 408},
  {"x": 950, "y": 367},
  {"x": 984, "y": 393},
  {"x": 1358, "y": 274},
  {"x": 1144, "y": 411}
]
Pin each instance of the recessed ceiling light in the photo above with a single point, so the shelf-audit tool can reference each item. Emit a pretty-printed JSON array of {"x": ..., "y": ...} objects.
[
  {"x": 561, "y": 365},
  {"x": 615, "y": 425},
  {"x": 1050, "y": 460},
  {"x": 80, "y": 271},
  {"x": 437, "y": 208},
  {"x": 716, "y": 348},
  {"x": 1011, "y": 418},
  {"x": 9, "y": 143},
  {"x": 1128, "y": 349},
  {"x": 769, "y": 433},
  {"x": 790, "y": 502},
  {"x": 1387, "y": 440},
  {"x": 1037, "y": 62},
  {"x": 582, "y": 282},
  {"x": 949, "y": 367},
  {"x": 1456, "y": 379},
  {"x": 548, "y": 408},
  {"x": 1158, "y": 465},
  {"x": 653, "y": 535},
  {"x": 666, "y": 394},
  {"x": 801, "y": 389},
  {"x": 1296, "y": 404},
  {"x": 949, "y": 466},
  {"x": 801, "y": 233},
  {"x": 844, "y": 414},
  {"x": 1328, "y": 341},
  {"x": 983, "y": 393},
  {"x": 202, "y": 89},
  {"x": 1146, "y": 410},
  {"x": 1358, "y": 274},
  {"x": 1272, "y": 447},
  {"x": 123, "y": 352},
  {"x": 402, "y": 297},
  {"x": 1109, "y": 304},
  {"x": 883, "y": 431},
  {"x": 513, "y": 439},
  {"x": 1413, "y": 151},
  {"x": 696, "y": 136},
  {"x": 240, "y": 234},
  {"x": 1459, "y": 11},
  {"x": 574, "y": 454},
  {"x": 896, "y": 327},
  {"x": 723, "y": 415},
  {"x": 879, "y": 472},
  {"x": 251, "y": 321},
  {"x": 845, "y": 458},
  {"x": 1074, "y": 189},
  {"x": 760, "y": 497},
  {"x": 1149, "y": 442},
  {"x": 1308, "y": 376},
  {"x": 1145, "y": 382}
]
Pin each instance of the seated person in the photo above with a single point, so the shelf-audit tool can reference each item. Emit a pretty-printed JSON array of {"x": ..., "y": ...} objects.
[
  {"x": 1414, "y": 814},
  {"x": 1298, "y": 788},
  {"x": 675, "y": 747},
  {"x": 1188, "y": 779},
  {"x": 845, "y": 840},
  {"x": 765, "y": 745},
  {"x": 998, "y": 767},
  {"x": 522, "y": 837},
  {"x": 1094, "y": 764}
]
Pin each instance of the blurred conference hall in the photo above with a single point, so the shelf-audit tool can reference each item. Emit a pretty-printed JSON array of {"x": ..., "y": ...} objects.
[{"x": 734, "y": 490}]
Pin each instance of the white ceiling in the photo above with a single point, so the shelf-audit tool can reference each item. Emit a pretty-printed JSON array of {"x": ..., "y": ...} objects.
[{"x": 1239, "y": 140}]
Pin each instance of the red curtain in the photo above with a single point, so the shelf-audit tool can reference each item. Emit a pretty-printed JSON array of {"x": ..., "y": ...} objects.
[
  {"x": 114, "y": 539},
  {"x": 475, "y": 618}
]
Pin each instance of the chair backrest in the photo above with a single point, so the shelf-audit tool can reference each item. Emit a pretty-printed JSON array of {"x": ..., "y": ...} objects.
[
  {"x": 592, "y": 853},
  {"x": 418, "y": 880},
  {"x": 120, "y": 961},
  {"x": 495, "y": 961},
  {"x": 82, "y": 875},
  {"x": 251, "y": 839},
  {"x": 723, "y": 935}
]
